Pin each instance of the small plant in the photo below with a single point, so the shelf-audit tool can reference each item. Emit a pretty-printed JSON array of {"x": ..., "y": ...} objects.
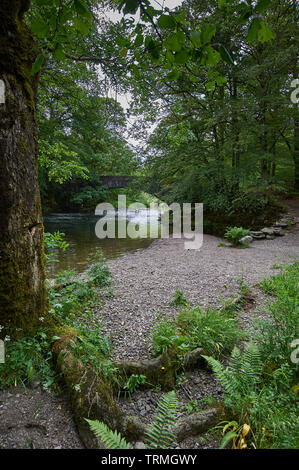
[
  {"x": 160, "y": 434},
  {"x": 191, "y": 406},
  {"x": 209, "y": 401},
  {"x": 236, "y": 434},
  {"x": 134, "y": 381},
  {"x": 112, "y": 439},
  {"x": 66, "y": 276},
  {"x": 243, "y": 287},
  {"x": 99, "y": 275},
  {"x": 54, "y": 242},
  {"x": 222, "y": 245},
  {"x": 29, "y": 359},
  {"x": 234, "y": 234},
  {"x": 165, "y": 336},
  {"x": 211, "y": 330},
  {"x": 179, "y": 300}
]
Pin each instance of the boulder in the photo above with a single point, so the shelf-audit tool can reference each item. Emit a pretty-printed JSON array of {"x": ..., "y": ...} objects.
[
  {"x": 257, "y": 235},
  {"x": 246, "y": 240},
  {"x": 196, "y": 423},
  {"x": 268, "y": 231},
  {"x": 270, "y": 237},
  {"x": 139, "y": 445},
  {"x": 281, "y": 223},
  {"x": 278, "y": 232}
]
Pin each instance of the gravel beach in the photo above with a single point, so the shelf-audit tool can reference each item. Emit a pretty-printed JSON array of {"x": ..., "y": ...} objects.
[{"x": 144, "y": 282}]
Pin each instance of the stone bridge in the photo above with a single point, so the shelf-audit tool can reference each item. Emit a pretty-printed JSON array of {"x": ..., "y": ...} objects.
[{"x": 116, "y": 181}]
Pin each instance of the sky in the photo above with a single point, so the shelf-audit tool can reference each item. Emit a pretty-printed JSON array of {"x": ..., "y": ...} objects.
[{"x": 114, "y": 16}]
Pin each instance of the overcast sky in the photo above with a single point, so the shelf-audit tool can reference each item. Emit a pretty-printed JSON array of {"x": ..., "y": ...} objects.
[{"x": 114, "y": 16}]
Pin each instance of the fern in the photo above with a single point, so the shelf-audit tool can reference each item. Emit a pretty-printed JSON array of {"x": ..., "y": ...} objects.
[
  {"x": 160, "y": 434},
  {"x": 112, "y": 439},
  {"x": 242, "y": 374}
]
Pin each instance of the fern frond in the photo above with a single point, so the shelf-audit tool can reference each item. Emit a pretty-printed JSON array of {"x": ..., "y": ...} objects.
[
  {"x": 160, "y": 435},
  {"x": 235, "y": 360},
  {"x": 227, "y": 378},
  {"x": 112, "y": 439}
]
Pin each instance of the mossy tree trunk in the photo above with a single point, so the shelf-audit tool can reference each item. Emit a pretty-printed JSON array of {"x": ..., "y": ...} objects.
[{"x": 22, "y": 275}]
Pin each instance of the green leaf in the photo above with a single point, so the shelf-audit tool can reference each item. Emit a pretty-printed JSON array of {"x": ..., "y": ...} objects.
[
  {"x": 227, "y": 438},
  {"x": 246, "y": 14},
  {"x": 123, "y": 52},
  {"x": 262, "y": 5},
  {"x": 253, "y": 30},
  {"x": 166, "y": 22},
  {"x": 131, "y": 6},
  {"x": 194, "y": 79},
  {"x": 213, "y": 57},
  {"x": 138, "y": 40},
  {"x": 37, "y": 64},
  {"x": 210, "y": 86},
  {"x": 207, "y": 33},
  {"x": 265, "y": 33},
  {"x": 81, "y": 9},
  {"x": 122, "y": 42},
  {"x": 196, "y": 38},
  {"x": 39, "y": 27},
  {"x": 175, "y": 41},
  {"x": 181, "y": 57},
  {"x": 173, "y": 75},
  {"x": 80, "y": 26},
  {"x": 58, "y": 53},
  {"x": 225, "y": 55},
  {"x": 220, "y": 80}
]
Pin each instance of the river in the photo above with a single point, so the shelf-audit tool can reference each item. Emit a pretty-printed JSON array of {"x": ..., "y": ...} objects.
[{"x": 79, "y": 230}]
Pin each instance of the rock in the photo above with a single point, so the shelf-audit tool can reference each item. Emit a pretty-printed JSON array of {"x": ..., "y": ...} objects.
[
  {"x": 139, "y": 445},
  {"x": 134, "y": 429},
  {"x": 268, "y": 231},
  {"x": 195, "y": 424},
  {"x": 270, "y": 237},
  {"x": 257, "y": 235},
  {"x": 281, "y": 223},
  {"x": 194, "y": 359},
  {"x": 246, "y": 240},
  {"x": 278, "y": 232}
]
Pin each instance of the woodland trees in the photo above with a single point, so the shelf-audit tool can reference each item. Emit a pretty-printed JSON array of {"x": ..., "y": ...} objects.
[{"x": 183, "y": 57}]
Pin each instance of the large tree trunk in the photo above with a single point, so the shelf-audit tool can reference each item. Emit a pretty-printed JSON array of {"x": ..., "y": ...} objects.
[
  {"x": 22, "y": 275},
  {"x": 296, "y": 153}
]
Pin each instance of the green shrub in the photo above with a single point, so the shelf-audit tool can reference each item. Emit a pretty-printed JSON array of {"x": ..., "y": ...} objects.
[
  {"x": 276, "y": 334},
  {"x": 234, "y": 234},
  {"x": 29, "y": 359},
  {"x": 133, "y": 383},
  {"x": 66, "y": 276},
  {"x": 99, "y": 274},
  {"x": 261, "y": 384},
  {"x": 54, "y": 242},
  {"x": 179, "y": 300},
  {"x": 214, "y": 332},
  {"x": 164, "y": 336}
]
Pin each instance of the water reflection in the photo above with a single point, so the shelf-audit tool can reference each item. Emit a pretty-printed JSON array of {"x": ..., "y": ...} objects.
[{"x": 79, "y": 232}]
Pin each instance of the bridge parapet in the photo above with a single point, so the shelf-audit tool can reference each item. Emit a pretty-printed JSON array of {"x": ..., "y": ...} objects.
[{"x": 116, "y": 181}]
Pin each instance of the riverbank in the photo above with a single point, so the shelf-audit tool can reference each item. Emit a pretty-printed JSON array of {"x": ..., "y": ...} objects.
[{"x": 145, "y": 281}]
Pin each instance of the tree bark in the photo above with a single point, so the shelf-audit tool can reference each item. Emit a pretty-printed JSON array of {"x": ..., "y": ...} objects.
[{"x": 22, "y": 274}]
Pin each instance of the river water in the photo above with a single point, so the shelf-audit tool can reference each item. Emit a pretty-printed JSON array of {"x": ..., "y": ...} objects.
[{"x": 79, "y": 230}]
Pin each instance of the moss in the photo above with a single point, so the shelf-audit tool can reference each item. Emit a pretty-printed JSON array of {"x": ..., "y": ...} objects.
[
  {"x": 91, "y": 397},
  {"x": 159, "y": 372}
]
